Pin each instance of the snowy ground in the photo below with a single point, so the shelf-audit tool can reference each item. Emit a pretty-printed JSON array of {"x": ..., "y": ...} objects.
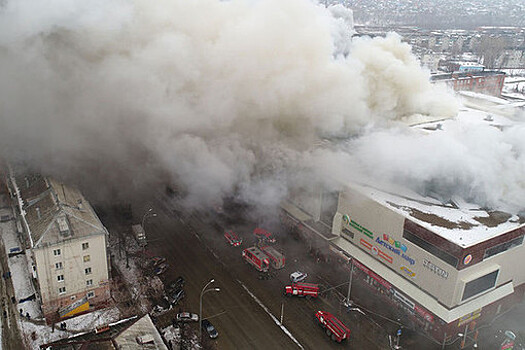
[
  {"x": 37, "y": 335},
  {"x": 19, "y": 268},
  {"x": 34, "y": 331},
  {"x": 140, "y": 286}
]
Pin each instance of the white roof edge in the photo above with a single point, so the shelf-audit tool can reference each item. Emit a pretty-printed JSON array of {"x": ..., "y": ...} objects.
[{"x": 418, "y": 295}]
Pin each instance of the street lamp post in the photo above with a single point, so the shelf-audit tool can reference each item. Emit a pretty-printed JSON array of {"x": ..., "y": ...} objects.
[
  {"x": 145, "y": 215},
  {"x": 204, "y": 291},
  {"x": 350, "y": 281}
]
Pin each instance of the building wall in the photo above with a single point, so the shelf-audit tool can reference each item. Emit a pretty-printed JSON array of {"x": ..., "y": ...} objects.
[
  {"x": 378, "y": 230},
  {"x": 75, "y": 260}
]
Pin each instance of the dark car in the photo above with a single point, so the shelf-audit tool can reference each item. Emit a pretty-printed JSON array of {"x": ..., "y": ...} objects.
[
  {"x": 177, "y": 284},
  {"x": 177, "y": 296},
  {"x": 208, "y": 328}
]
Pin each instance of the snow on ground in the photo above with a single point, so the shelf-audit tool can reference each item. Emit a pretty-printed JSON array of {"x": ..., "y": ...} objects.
[
  {"x": 37, "y": 335},
  {"x": 19, "y": 268}
]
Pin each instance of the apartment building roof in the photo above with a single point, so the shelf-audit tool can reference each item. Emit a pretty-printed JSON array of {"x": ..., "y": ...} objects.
[{"x": 55, "y": 212}]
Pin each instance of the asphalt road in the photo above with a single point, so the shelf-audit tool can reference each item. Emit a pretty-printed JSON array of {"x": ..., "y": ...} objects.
[{"x": 195, "y": 248}]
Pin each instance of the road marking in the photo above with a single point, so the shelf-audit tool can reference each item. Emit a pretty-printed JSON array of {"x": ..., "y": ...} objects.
[{"x": 283, "y": 328}]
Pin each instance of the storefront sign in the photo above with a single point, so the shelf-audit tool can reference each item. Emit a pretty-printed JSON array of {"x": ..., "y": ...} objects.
[
  {"x": 434, "y": 268},
  {"x": 347, "y": 220},
  {"x": 469, "y": 317},
  {"x": 398, "y": 251},
  {"x": 408, "y": 272},
  {"x": 424, "y": 313},
  {"x": 376, "y": 251},
  {"x": 372, "y": 274},
  {"x": 467, "y": 259}
]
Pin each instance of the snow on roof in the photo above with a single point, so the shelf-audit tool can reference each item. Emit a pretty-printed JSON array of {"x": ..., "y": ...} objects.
[
  {"x": 457, "y": 221},
  {"x": 461, "y": 223}
]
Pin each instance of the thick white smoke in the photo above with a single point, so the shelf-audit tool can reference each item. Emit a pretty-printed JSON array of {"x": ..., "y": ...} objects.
[{"x": 219, "y": 97}]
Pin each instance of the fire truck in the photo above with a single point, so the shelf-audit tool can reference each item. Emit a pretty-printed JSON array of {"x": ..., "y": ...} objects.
[
  {"x": 263, "y": 235},
  {"x": 277, "y": 259},
  {"x": 255, "y": 257},
  {"x": 307, "y": 290},
  {"x": 333, "y": 327}
]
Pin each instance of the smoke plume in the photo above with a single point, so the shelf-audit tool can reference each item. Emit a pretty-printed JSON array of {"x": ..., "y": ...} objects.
[{"x": 225, "y": 98}]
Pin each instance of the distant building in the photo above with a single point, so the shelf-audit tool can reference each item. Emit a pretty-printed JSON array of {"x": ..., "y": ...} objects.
[
  {"x": 485, "y": 82},
  {"x": 130, "y": 334},
  {"x": 449, "y": 266},
  {"x": 67, "y": 243}
]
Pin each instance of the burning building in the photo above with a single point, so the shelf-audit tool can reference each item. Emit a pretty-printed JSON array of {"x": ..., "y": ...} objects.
[{"x": 449, "y": 264}]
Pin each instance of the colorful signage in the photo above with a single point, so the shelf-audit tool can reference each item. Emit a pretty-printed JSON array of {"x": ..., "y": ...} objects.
[
  {"x": 78, "y": 306},
  {"x": 467, "y": 259},
  {"x": 434, "y": 268},
  {"x": 395, "y": 247},
  {"x": 376, "y": 251},
  {"x": 370, "y": 273},
  {"x": 424, "y": 313},
  {"x": 408, "y": 272},
  {"x": 469, "y": 317},
  {"x": 347, "y": 220}
]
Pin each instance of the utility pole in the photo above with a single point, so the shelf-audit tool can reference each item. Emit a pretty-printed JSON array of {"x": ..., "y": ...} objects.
[
  {"x": 350, "y": 281},
  {"x": 282, "y": 312}
]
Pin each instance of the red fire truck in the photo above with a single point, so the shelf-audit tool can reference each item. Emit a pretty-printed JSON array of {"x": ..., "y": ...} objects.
[
  {"x": 277, "y": 259},
  {"x": 255, "y": 257},
  {"x": 263, "y": 235},
  {"x": 308, "y": 290},
  {"x": 333, "y": 327}
]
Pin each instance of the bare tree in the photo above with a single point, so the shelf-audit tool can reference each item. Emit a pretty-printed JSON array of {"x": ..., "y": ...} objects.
[{"x": 490, "y": 48}]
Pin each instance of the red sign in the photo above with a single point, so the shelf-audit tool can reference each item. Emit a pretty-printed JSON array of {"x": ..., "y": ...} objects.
[
  {"x": 379, "y": 279},
  {"x": 424, "y": 313}
]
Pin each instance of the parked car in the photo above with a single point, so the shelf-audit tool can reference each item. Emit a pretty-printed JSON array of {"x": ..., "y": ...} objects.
[
  {"x": 187, "y": 317},
  {"x": 177, "y": 284},
  {"x": 160, "y": 269},
  {"x": 208, "y": 328},
  {"x": 157, "y": 260},
  {"x": 232, "y": 238},
  {"x": 177, "y": 296},
  {"x": 298, "y": 276}
]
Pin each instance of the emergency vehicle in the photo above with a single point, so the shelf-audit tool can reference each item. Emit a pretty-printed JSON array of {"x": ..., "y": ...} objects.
[
  {"x": 333, "y": 327},
  {"x": 232, "y": 238},
  {"x": 308, "y": 290},
  {"x": 263, "y": 235},
  {"x": 255, "y": 257},
  {"x": 277, "y": 259}
]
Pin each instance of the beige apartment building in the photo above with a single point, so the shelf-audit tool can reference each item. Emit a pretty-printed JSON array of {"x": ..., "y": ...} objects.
[{"x": 67, "y": 243}]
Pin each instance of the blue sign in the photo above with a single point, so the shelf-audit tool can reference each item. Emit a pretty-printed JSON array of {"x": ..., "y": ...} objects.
[{"x": 399, "y": 332}]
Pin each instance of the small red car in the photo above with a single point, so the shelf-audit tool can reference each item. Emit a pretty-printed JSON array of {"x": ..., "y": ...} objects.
[{"x": 232, "y": 238}]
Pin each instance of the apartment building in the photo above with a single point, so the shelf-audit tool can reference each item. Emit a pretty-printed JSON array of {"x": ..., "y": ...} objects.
[{"x": 67, "y": 243}]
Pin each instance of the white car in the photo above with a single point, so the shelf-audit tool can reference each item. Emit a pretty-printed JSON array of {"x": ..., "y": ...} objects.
[
  {"x": 187, "y": 317},
  {"x": 298, "y": 276}
]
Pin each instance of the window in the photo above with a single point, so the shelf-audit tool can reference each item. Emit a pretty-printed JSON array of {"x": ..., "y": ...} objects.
[
  {"x": 61, "y": 290},
  {"x": 85, "y": 246},
  {"x": 348, "y": 234},
  {"x": 480, "y": 285},
  {"x": 87, "y": 258},
  {"x": 87, "y": 271},
  {"x": 56, "y": 252},
  {"x": 89, "y": 282},
  {"x": 500, "y": 248},
  {"x": 58, "y": 266},
  {"x": 421, "y": 243},
  {"x": 60, "y": 278},
  {"x": 90, "y": 295}
]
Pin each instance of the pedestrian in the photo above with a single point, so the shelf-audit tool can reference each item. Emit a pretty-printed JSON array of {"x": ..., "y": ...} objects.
[
  {"x": 13, "y": 300},
  {"x": 21, "y": 312},
  {"x": 27, "y": 315}
]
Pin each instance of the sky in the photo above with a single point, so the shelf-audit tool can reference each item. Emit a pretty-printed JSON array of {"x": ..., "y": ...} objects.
[{"x": 229, "y": 98}]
